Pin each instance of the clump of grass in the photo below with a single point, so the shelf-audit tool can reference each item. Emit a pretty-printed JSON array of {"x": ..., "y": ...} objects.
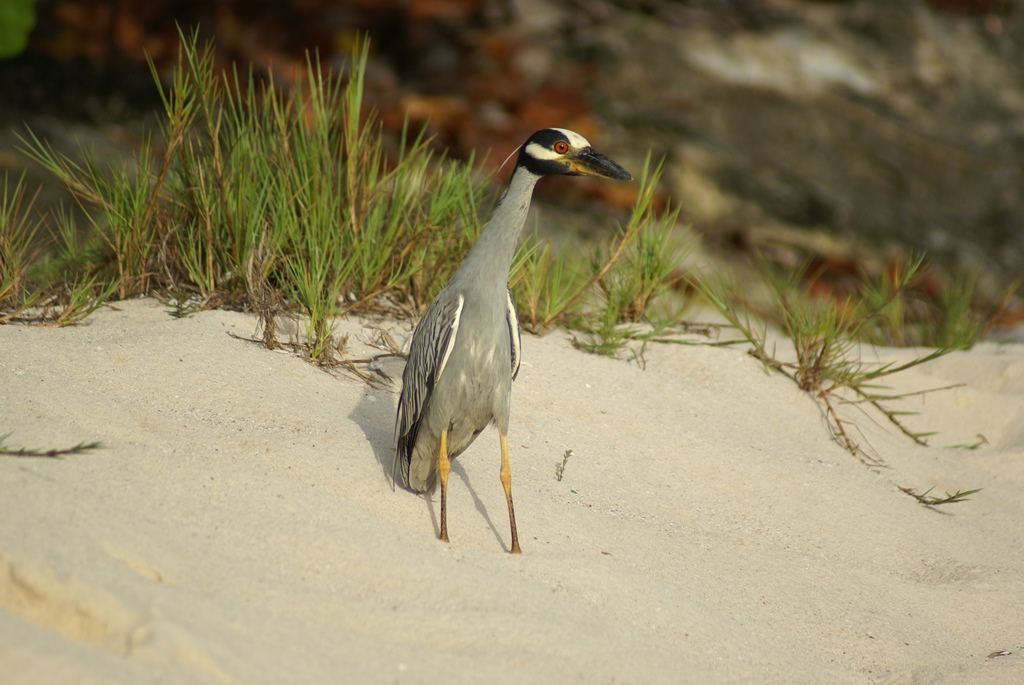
[
  {"x": 120, "y": 203},
  {"x": 906, "y": 310},
  {"x": 290, "y": 199},
  {"x": 605, "y": 296},
  {"x": 826, "y": 335},
  {"x": 546, "y": 284},
  {"x": 632, "y": 274},
  {"x": 650, "y": 249},
  {"x": 271, "y": 200},
  {"x": 27, "y": 275},
  {"x": 17, "y": 235}
]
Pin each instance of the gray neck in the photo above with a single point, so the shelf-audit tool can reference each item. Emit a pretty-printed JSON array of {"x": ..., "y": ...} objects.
[{"x": 491, "y": 257}]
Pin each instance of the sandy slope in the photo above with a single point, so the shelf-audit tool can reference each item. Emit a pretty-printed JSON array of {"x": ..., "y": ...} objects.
[{"x": 240, "y": 527}]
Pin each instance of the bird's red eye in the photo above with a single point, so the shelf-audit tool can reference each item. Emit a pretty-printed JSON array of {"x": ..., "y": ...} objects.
[{"x": 561, "y": 147}]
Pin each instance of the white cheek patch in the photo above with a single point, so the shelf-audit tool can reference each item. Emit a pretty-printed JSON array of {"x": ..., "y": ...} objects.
[
  {"x": 575, "y": 139},
  {"x": 540, "y": 152}
]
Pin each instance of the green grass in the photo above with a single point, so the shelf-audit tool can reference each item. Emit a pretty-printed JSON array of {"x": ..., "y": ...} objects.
[
  {"x": 617, "y": 283},
  {"x": 280, "y": 202},
  {"x": 827, "y": 335},
  {"x": 38, "y": 286},
  {"x": 632, "y": 274},
  {"x": 17, "y": 293},
  {"x": 612, "y": 296}
]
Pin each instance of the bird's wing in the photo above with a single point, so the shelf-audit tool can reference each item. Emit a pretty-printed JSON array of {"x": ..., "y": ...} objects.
[
  {"x": 514, "y": 335},
  {"x": 432, "y": 345}
]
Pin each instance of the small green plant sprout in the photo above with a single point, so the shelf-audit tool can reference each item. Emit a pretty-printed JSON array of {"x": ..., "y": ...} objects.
[
  {"x": 982, "y": 440},
  {"x": 55, "y": 453},
  {"x": 560, "y": 468},
  {"x": 931, "y": 501}
]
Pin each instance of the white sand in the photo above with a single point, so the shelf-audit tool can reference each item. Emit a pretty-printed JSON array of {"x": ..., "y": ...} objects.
[{"x": 239, "y": 526}]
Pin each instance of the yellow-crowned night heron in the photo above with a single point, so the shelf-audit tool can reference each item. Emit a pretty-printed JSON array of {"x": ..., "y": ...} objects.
[{"x": 465, "y": 351}]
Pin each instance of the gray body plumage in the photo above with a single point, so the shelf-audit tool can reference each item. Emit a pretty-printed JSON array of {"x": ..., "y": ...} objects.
[
  {"x": 465, "y": 351},
  {"x": 483, "y": 360}
]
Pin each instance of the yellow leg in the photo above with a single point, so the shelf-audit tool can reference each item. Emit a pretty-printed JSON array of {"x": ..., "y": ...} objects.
[
  {"x": 443, "y": 467},
  {"x": 506, "y": 481}
]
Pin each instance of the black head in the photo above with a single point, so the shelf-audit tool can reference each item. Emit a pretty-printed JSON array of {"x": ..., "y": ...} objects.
[{"x": 553, "y": 151}]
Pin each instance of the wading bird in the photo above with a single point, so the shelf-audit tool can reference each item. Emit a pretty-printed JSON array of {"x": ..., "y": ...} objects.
[{"x": 465, "y": 351}]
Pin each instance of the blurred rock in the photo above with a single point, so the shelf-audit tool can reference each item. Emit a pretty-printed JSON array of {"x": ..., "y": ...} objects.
[{"x": 887, "y": 123}]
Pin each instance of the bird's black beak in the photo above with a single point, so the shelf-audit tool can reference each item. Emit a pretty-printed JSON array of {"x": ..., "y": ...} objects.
[{"x": 590, "y": 162}]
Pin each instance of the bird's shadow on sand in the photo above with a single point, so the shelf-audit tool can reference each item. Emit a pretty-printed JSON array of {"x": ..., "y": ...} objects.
[{"x": 375, "y": 416}]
